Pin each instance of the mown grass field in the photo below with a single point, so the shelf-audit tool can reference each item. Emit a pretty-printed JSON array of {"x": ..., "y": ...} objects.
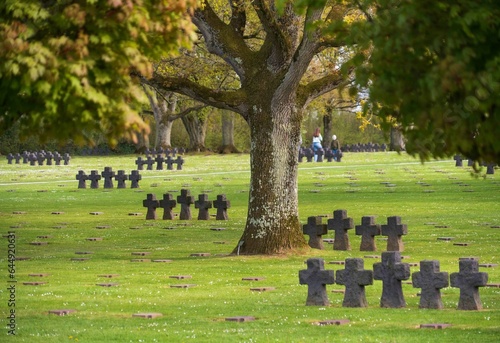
[{"x": 380, "y": 184}]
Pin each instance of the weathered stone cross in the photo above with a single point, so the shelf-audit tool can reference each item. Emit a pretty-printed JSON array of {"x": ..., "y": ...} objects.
[
  {"x": 391, "y": 271},
  {"x": 222, "y": 204},
  {"x": 316, "y": 277},
  {"x": 152, "y": 204},
  {"x": 314, "y": 229},
  {"x": 469, "y": 279},
  {"x": 394, "y": 230},
  {"x": 203, "y": 205},
  {"x": 168, "y": 203},
  {"x": 354, "y": 278},
  {"x": 368, "y": 230},
  {"x": 186, "y": 200},
  {"x": 430, "y": 280},
  {"x": 340, "y": 224},
  {"x": 82, "y": 178}
]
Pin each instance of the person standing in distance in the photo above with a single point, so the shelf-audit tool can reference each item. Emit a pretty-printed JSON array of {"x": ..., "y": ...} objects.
[
  {"x": 316, "y": 143},
  {"x": 335, "y": 147}
]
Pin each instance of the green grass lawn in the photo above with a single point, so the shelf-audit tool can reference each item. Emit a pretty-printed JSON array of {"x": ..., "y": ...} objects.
[{"x": 437, "y": 193}]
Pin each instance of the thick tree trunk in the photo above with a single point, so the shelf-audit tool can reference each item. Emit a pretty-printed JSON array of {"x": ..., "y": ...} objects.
[
  {"x": 196, "y": 129},
  {"x": 397, "y": 140},
  {"x": 227, "y": 146},
  {"x": 273, "y": 225},
  {"x": 164, "y": 133}
]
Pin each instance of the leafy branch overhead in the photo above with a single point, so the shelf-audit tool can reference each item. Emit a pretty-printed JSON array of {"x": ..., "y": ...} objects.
[{"x": 65, "y": 65}]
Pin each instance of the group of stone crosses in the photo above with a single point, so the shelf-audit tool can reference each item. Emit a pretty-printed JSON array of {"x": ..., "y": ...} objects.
[
  {"x": 368, "y": 147},
  {"x": 391, "y": 271},
  {"x": 490, "y": 167},
  {"x": 168, "y": 203},
  {"x": 340, "y": 224},
  {"x": 309, "y": 154},
  {"x": 39, "y": 157},
  {"x": 108, "y": 175},
  {"x": 160, "y": 160}
]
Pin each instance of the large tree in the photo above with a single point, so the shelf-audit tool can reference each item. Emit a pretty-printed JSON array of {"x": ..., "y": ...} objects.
[
  {"x": 270, "y": 53},
  {"x": 65, "y": 64}
]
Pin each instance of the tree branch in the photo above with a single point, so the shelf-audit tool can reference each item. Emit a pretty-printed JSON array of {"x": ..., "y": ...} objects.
[
  {"x": 221, "y": 39},
  {"x": 316, "y": 88}
]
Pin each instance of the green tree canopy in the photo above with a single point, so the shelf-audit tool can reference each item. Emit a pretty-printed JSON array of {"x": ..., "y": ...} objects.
[
  {"x": 431, "y": 67},
  {"x": 65, "y": 65}
]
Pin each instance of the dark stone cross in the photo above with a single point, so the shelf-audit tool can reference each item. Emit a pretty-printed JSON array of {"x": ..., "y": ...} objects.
[
  {"x": 490, "y": 168},
  {"x": 168, "y": 203},
  {"x": 17, "y": 157},
  {"x": 469, "y": 279},
  {"x": 140, "y": 163},
  {"x": 169, "y": 161},
  {"x": 10, "y": 157},
  {"x": 391, "y": 271},
  {"x": 430, "y": 280},
  {"x": 121, "y": 177},
  {"x": 309, "y": 153},
  {"x": 134, "y": 177},
  {"x": 394, "y": 230},
  {"x": 354, "y": 278},
  {"x": 340, "y": 224},
  {"x": 316, "y": 277},
  {"x": 108, "y": 174},
  {"x": 40, "y": 158},
  {"x": 149, "y": 162},
  {"x": 57, "y": 158},
  {"x": 458, "y": 160},
  {"x": 66, "y": 159},
  {"x": 152, "y": 204},
  {"x": 320, "y": 153},
  {"x": 186, "y": 200},
  {"x": 203, "y": 205},
  {"x": 222, "y": 204},
  {"x": 159, "y": 162},
  {"x": 82, "y": 178},
  {"x": 180, "y": 162},
  {"x": 94, "y": 178},
  {"x": 368, "y": 230},
  {"x": 314, "y": 229},
  {"x": 32, "y": 158},
  {"x": 49, "y": 157}
]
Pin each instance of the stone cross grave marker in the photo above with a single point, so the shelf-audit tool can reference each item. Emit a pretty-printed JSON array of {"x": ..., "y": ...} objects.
[
  {"x": 186, "y": 200},
  {"x": 140, "y": 163},
  {"x": 151, "y": 204},
  {"x": 168, "y": 203},
  {"x": 32, "y": 158},
  {"x": 469, "y": 279},
  {"x": 203, "y": 205},
  {"x": 430, "y": 280},
  {"x": 49, "y": 157},
  {"x": 354, "y": 278},
  {"x": 314, "y": 229},
  {"x": 458, "y": 160},
  {"x": 149, "y": 162},
  {"x": 57, "y": 158},
  {"x": 394, "y": 230},
  {"x": 391, "y": 271},
  {"x": 222, "y": 204},
  {"x": 180, "y": 161},
  {"x": 134, "y": 177},
  {"x": 40, "y": 158},
  {"x": 10, "y": 157},
  {"x": 169, "y": 161},
  {"x": 108, "y": 174},
  {"x": 368, "y": 230},
  {"x": 66, "y": 157},
  {"x": 121, "y": 177},
  {"x": 82, "y": 178},
  {"x": 340, "y": 224},
  {"x": 94, "y": 178},
  {"x": 316, "y": 278},
  {"x": 159, "y": 162},
  {"x": 309, "y": 153}
]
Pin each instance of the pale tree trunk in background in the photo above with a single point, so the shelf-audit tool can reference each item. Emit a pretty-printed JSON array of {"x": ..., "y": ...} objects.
[
  {"x": 227, "y": 146},
  {"x": 196, "y": 128},
  {"x": 397, "y": 140}
]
